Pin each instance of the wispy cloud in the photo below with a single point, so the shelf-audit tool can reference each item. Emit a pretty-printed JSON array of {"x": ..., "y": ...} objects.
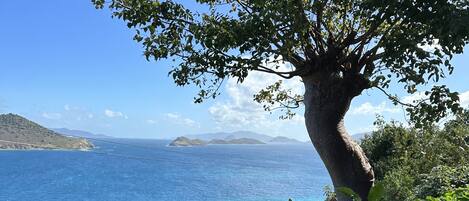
[
  {"x": 114, "y": 114},
  {"x": 53, "y": 116},
  {"x": 172, "y": 115},
  {"x": 178, "y": 119},
  {"x": 368, "y": 108},
  {"x": 420, "y": 96},
  {"x": 151, "y": 121}
]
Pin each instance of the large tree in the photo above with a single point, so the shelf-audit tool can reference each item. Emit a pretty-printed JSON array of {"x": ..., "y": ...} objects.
[{"x": 338, "y": 48}]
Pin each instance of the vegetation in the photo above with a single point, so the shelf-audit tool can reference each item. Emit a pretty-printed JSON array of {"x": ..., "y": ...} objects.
[
  {"x": 459, "y": 194},
  {"x": 377, "y": 194},
  {"x": 416, "y": 163},
  {"x": 186, "y": 142},
  {"x": 337, "y": 48},
  {"x": 17, "y": 132}
]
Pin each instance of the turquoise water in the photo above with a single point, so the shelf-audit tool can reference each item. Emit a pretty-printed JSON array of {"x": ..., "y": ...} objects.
[{"x": 141, "y": 170}]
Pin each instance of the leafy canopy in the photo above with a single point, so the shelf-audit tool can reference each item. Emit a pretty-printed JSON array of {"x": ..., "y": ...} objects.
[{"x": 367, "y": 43}]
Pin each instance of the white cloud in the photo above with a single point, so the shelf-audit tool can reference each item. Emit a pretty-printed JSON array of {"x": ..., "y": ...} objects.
[
  {"x": 90, "y": 116},
  {"x": 68, "y": 107},
  {"x": 369, "y": 109},
  {"x": 111, "y": 114},
  {"x": 188, "y": 121},
  {"x": 151, "y": 121},
  {"x": 366, "y": 129},
  {"x": 54, "y": 116},
  {"x": 172, "y": 115},
  {"x": 464, "y": 99},
  {"x": 240, "y": 110},
  {"x": 420, "y": 96},
  {"x": 178, "y": 119},
  {"x": 414, "y": 98}
]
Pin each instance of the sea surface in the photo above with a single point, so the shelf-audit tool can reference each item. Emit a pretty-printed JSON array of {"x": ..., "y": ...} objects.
[{"x": 144, "y": 170}]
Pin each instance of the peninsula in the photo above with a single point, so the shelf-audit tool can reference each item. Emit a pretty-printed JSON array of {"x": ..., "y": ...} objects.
[{"x": 19, "y": 133}]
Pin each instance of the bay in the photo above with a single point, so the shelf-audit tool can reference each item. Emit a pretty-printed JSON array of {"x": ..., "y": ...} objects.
[{"x": 146, "y": 170}]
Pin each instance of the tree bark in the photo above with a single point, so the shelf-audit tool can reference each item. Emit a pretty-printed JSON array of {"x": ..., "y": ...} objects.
[{"x": 327, "y": 99}]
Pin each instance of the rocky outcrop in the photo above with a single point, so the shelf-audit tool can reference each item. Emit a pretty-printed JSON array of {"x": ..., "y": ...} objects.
[{"x": 186, "y": 142}]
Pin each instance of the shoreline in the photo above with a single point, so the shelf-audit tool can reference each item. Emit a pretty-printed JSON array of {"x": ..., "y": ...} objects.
[{"x": 47, "y": 149}]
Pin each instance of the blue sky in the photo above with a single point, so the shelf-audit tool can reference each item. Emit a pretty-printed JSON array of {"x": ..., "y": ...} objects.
[{"x": 66, "y": 64}]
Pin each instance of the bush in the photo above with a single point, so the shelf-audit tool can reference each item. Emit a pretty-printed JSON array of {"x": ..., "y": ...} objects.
[
  {"x": 459, "y": 194},
  {"x": 415, "y": 163},
  {"x": 442, "y": 179}
]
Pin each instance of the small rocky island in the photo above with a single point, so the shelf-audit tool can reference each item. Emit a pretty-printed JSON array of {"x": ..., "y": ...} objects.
[
  {"x": 17, "y": 132},
  {"x": 186, "y": 142}
]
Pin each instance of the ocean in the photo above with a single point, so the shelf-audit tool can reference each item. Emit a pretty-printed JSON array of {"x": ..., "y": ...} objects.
[{"x": 146, "y": 170}]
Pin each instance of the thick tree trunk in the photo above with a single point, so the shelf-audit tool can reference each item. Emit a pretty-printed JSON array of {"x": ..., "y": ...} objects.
[{"x": 326, "y": 101}]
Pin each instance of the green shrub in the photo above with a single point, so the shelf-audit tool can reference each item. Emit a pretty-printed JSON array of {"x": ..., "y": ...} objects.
[
  {"x": 442, "y": 179},
  {"x": 459, "y": 194},
  {"x": 415, "y": 163}
]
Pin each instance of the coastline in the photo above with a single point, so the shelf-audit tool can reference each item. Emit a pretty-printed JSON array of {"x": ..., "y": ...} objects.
[{"x": 47, "y": 149}]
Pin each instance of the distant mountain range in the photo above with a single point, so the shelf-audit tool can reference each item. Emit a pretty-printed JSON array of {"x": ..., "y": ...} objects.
[
  {"x": 238, "y": 137},
  {"x": 186, "y": 142},
  {"x": 17, "y": 132},
  {"x": 283, "y": 140},
  {"x": 242, "y": 134},
  {"x": 79, "y": 133}
]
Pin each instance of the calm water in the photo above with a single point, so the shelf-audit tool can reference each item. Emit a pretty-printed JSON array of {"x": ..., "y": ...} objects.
[{"x": 140, "y": 170}]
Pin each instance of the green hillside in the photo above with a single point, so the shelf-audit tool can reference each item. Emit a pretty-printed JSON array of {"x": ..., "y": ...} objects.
[{"x": 17, "y": 132}]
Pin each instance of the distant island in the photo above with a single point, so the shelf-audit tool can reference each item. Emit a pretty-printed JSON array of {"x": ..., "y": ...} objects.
[
  {"x": 79, "y": 133},
  {"x": 186, "y": 142},
  {"x": 231, "y": 135},
  {"x": 239, "y": 137},
  {"x": 236, "y": 141},
  {"x": 283, "y": 140},
  {"x": 17, "y": 132}
]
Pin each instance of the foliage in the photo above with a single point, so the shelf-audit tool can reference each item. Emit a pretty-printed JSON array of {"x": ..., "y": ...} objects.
[
  {"x": 359, "y": 43},
  {"x": 376, "y": 193},
  {"x": 338, "y": 46},
  {"x": 459, "y": 194},
  {"x": 329, "y": 194},
  {"x": 416, "y": 163},
  {"x": 445, "y": 178}
]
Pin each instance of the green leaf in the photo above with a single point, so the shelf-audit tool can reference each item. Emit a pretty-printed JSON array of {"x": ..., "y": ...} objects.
[
  {"x": 376, "y": 192},
  {"x": 349, "y": 192}
]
